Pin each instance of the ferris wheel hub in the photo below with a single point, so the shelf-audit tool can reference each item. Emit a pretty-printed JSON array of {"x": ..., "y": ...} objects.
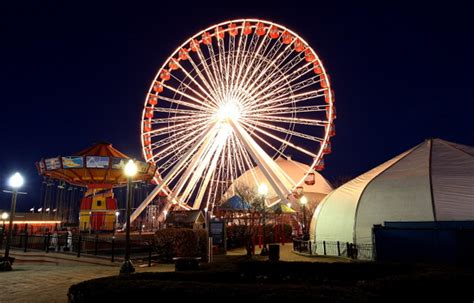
[{"x": 230, "y": 109}]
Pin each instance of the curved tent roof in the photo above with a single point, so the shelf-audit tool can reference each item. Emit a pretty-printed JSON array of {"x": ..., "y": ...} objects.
[
  {"x": 295, "y": 170},
  {"x": 430, "y": 182}
]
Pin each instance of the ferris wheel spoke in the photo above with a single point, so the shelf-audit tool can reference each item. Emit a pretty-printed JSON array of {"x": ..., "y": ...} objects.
[
  {"x": 210, "y": 75},
  {"x": 189, "y": 88},
  {"x": 294, "y": 120},
  {"x": 286, "y": 98},
  {"x": 179, "y": 111},
  {"x": 210, "y": 97},
  {"x": 285, "y": 131},
  {"x": 286, "y": 142},
  {"x": 275, "y": 70},
  {"x": 245, "y": 160},
  {"x": 175, "y": 119},
  {"x": 272, "y": 171},
  {"x": 169, "y": 175},
  {"x": 278, "y": 110},
  {"x": 209, "y": 81},
  {"x": 273, "y": 64},
  {"x": 183, "y": 136},
  {"x": 252, "y": 67},
  {"x": 222, "y": 65},
  {"x": 215, "y": 67},
  {"x": 203, "y": 105},
  {"x": 171, "y": 128},
  {"x": 301, "y": 71}
]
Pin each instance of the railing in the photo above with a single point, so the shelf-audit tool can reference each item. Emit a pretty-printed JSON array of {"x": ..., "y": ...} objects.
[
  {"x": 334, "y": 248},
  {"x": 84, "y": 245}
]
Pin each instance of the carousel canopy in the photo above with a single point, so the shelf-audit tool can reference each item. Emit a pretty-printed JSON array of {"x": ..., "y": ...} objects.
[{"x": 100, "y": 165}]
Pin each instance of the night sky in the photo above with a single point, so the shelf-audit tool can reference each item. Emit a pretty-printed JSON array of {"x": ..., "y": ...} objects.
[{"x": 73, "y": 75}]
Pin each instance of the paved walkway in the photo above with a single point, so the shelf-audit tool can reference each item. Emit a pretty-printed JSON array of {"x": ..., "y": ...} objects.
[
  {"x": 287, "y": 254},
  {"x": 48, "y": 280}
]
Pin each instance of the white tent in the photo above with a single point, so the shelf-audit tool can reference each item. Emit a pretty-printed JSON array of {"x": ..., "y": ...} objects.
[
  {"x": 295, "y": 170},
  {"x": 433, "y": 181}
]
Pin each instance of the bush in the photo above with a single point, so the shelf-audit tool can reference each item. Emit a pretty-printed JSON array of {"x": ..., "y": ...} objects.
[
  {"x": 237, "y": 234},
  {"x": 181, "y": 242}
]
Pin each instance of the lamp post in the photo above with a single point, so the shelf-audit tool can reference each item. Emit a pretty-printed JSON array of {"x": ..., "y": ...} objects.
[
  {"x": 117, "y": 213},
  {"x": 304, "y": 201},
  {"x": 5, "y": 216},
  {"x": 15, "y": 182},
  {"x": 263, "y": 191},
  {"x": 130, "y": 171}
]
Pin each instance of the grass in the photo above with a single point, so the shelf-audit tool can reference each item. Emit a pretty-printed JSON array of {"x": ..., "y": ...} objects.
[{"x": 238, "y": 278}]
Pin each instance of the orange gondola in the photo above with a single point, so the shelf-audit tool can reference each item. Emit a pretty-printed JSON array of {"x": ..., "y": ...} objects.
[
  {"x": 158, "y": 87},
  {"x": 274, "y": 33},
  {"x": 286, "y": 38},
  {"x": 233, "y": 31},
  {"x": 194, "y": 45},
  {"x": 247, "y": 28},
  {"x": 152, "y": 100},
  {"x": 206, "y": 38},
  {"x": 165, "y": 75},
  {"x": 183, "y": 54},
  {"x": 260, "y": 31},
  {"x": 298, "y": 45}
]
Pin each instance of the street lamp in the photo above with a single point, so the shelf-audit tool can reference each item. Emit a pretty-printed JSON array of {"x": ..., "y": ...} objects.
[
  {"x": 263, "y": 192},
  {"x": 130, "y": 170},
  {"x": 304, "y": 201},
  {"x": 117, "y": 213},
  {"x": 15, "y": 182}
]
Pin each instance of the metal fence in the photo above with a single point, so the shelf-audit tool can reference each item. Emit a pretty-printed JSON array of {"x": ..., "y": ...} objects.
[
  {"x": 334, "y": 248},
  {"x": 111, "y": 248}
]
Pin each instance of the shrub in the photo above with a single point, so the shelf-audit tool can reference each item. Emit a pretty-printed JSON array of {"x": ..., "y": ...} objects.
[{"x": 181, "y": 242}]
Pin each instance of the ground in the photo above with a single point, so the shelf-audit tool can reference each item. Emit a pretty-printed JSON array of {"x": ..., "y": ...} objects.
[
  {"x": 42, "y": 278},
  {"x": 47, "y": 277}
]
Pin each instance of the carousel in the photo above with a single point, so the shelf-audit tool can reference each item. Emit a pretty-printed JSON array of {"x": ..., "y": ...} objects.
[{"x": 99, "y": 169}]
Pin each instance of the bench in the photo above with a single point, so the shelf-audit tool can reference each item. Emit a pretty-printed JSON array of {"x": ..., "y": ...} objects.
[{"x": 186, "y": 263}]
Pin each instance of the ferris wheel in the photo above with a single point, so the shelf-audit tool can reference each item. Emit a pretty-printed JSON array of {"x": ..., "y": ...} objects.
[{"x": 235, "y": 96}]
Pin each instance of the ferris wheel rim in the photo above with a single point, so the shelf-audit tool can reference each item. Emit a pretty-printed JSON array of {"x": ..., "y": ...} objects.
[{"x": 240, "y": 24}]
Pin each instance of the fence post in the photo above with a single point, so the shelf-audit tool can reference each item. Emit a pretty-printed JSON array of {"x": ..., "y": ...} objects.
[
  {"x": 113, "y": 249},
  {"x": 1, "y": 236},
  {"x": 348, "y": 249},
  {"x": 96, "y": 244},
  {"x": 79, "y": 244},
  {"x": 48, "y": 240},
  {"x": 26, "y": 241},
  {"x": 324, "y": 247},
  {"x": 338, "y": 249},
  {"x": 149, "y": 255},
  {"x": 310, "y": 247}
]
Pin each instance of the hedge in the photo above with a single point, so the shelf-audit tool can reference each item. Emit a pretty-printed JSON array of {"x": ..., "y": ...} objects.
[{"x": 181, "y": 242}]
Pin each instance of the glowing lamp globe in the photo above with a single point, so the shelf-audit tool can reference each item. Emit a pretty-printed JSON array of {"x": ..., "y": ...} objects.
[
  {"x": 304, "y": 200},
  {"x": 16, "y": 181},
  {"x": 130, "y": 169},
  {"x": 5, "y": 216},
  {"x": 263, "y": 189}
]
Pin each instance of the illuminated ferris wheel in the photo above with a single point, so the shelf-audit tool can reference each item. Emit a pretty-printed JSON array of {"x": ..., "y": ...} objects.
[{"x": 235, "y": 96}]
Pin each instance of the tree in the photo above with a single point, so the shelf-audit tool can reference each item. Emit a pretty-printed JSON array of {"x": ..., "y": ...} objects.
[{"x": 251, "y": 218}]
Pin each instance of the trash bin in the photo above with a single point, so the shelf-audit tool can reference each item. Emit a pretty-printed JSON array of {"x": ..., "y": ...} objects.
[{"x": 274, "y": 252}]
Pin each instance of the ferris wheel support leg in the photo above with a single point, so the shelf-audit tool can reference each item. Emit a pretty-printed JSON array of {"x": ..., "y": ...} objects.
[
  {"x": 266, "y": 164},
  {"x": 169, "y": 176}
]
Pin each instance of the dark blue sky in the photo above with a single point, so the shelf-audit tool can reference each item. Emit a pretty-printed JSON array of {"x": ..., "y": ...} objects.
[{"x": 73, "y": 75}]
